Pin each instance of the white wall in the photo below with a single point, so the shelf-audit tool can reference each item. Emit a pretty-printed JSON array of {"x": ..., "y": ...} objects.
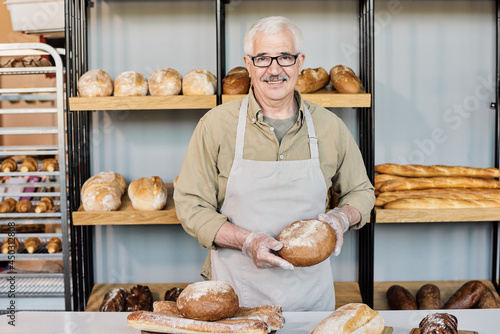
[{"x": 434, "y": 61}]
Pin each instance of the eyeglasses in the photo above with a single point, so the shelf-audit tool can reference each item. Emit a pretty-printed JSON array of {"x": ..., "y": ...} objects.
[{"x": 283, "y": 60}]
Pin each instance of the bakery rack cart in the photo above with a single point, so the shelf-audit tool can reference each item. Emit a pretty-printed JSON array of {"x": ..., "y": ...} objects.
[{"x": 47, "y": 184}]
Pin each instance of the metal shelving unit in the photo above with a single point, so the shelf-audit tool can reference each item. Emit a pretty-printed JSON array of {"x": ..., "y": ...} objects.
[{"x": 52, "y": 184}]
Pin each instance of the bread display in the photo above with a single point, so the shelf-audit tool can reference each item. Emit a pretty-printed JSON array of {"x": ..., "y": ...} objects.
[
  {"x": 46, "y": 204},
  {"x": 165, "y": 81},
  {"x": 473, "y": 294},
  {"x": 442, "y": 323},
  {"x": 400, "y": 298},
  {"x": 32, "y": 244},
  {"x": 10, "y": 245},
  {"x": 103, "y": 192},
  {"x": 236, "y": 81},
  {"x": 306, "y": 242},
  {"x": 54, "y": 245},
  {"x": 8, "y": 165},
  {"x": 114, "y": 300},
  {"x": 50, "y": 165},
  {"x": 351, "y": 318},
  {"x": 8, "y": 205},
  {"x": 436, "y": 170},
  {"x": 95, "y": 83},
  {"x": 29, "y": 164},
  {"x": 24, "y": 206},
  {"x": 312, "y": 79},
  {"x": 172, "y": 294},
  {"x": 344, "y": 80},
  {"x": 148, "y": 194},
  {"x": 199, "y": 82},
  {"x": 428, "y": 297},
  {"x": 208, "y": 301},
  {"x": 130, "y": 83},
  {"x": 139, "y": 298}
]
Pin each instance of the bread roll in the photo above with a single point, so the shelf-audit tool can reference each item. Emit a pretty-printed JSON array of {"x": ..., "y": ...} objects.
[
  {"x": 428, "y": 297},
  {"x": 32, "y": 244},
  {"x": 24, "y": 206},
  {"x": 312, "y": 79},
  {"x": 436, "y": 170},
  {"x": 8, "y": 205},
  {"x": 107, "y": 178},
  {"x": 54, "y": 245},
  {"x": 351, "y": 318},
  {"x": 306, "y": 242},
  {"x": 400, "y": 298},
  {"x": 131, "y": 83},
  {"x": 8, "y": 165},
  {"x": 29, "y": 164},
  {"x": 103, "y": 192},
  {"x": 165, "y": 81},
  {"x": 95, "y": 83},
  {"x": 50, "y": 164},
  {"x": 208, "y": 300},
  {"x": 237, "y": 81},
  {"x": 45, "y": 204},
  {"x": 199, "y": 82},
  {"x": 344, "y": 80},
  {"x": 148, "y": 194}
]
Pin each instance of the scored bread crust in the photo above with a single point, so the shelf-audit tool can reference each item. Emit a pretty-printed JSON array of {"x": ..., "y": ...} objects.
[
  {"x": 312, "y": 79},
  {"x": 147, "y": 194}
]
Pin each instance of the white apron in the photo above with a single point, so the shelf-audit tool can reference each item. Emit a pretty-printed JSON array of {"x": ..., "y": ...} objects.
[{"x": 266, "y": 196}]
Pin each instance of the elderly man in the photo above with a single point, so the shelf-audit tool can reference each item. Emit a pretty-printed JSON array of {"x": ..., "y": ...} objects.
[{"x": 256, "y": 164}]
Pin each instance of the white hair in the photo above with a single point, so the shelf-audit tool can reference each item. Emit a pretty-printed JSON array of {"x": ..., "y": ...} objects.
[{"x": 271, "y": 26}]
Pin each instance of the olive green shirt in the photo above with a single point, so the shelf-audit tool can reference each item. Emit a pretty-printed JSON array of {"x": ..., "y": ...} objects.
[{"x": 201, "y": 186}]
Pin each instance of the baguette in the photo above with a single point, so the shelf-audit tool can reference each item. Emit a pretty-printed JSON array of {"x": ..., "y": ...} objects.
[
  {"x": 312, "y": 79},
  {"x": 438, "y": 182},
  {"x": 384, "y": 198},
  {"x": 436, "y": 202},
  {"x": 161, "y": 323},
  {"x": 436, "y": 170}
]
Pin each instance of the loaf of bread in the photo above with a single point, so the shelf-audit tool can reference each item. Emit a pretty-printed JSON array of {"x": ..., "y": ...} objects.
[
  {"x": 114, "y": 300},
  {"x": 351, "y": 318},
  {"x": 236, "y": 81},
  {"x": 130, "y": 83},
  {"x": 473, "y": 294},
  {"x": 8, "y": 165},
  {"x": 148, "y": 194},
  {"x": 30, "y": 164},
  {"x": 436, "y": 170},
  {"x": 199, "y": 82},
  {"x": 32, "y": 244},
  {"x": 428, "y": 297},
  {"x": 24, "y": 206},
  {"x": 436, "y": 202},
  {"x": 50, "y": 164},
  {"x": 10, "y": 245},
  {"x": 344, "y": 80},
  {"x": 442, "y": 323},
  {"x": 306, "y": 242},
  {"x": 103, "y": 192},
  {"x": 8, "y": 205},
  {"x": 208, "y": 300},
  {"x": 95, "y": 83},
  {"x": 139, "y": 298},
  {"x": 312, "y": 79},
  {"x": 400, "y": 298},
  {"x": 45, "y": 204},
  {"x": 165, "y": 81},
  {"x": 410, "y": 183},
  {"x": 54, "y": 245}
]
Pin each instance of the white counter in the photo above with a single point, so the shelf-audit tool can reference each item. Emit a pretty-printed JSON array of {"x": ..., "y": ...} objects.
[{"x": 482, "y": 321}]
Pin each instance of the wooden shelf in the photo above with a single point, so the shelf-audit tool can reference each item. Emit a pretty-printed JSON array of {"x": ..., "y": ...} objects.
[
  {"x": 345, "y": 292},
  {"x": 326, "y": 97},
  {"x": 447, "y": 288},
  {"x": 436, "y": 215},
  {"x": 127, "y": 215}
]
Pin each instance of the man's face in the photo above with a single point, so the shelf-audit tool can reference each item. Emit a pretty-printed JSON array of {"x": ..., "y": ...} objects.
[{"x": 274, "y": 83}]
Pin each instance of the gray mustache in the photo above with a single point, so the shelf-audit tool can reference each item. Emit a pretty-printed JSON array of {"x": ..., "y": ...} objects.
[{"x": 275, "y": 78}]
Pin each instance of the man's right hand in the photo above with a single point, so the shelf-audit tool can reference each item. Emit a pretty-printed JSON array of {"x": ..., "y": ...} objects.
[{"x": 258, "y": 246}]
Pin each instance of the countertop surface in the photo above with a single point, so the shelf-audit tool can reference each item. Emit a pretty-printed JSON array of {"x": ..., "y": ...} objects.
[{"x": 482, "y": 321}]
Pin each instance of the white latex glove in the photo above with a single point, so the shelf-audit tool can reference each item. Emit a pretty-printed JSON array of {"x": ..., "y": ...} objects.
[
  {"x": 258, "y": 246},
  {"x": 338, "y": 220}
]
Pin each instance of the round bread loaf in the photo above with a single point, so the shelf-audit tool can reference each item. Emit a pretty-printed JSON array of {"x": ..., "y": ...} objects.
[
  {"x": 131, "y": 83},
  {"x": 208, "y": 300},
  {"x": 306, "y": 242},
  {"x": 312, "y": 79},
  {"x": 165, "y": 81},
  {"x": 237, "y": 81},
  {"x": 103, "y": 192},
  {"x": 95, "y": 83},
  {"x": 147, "y": 194},
  {"x": 199, "y": 82},
  {"x": 344, "y": 80}
]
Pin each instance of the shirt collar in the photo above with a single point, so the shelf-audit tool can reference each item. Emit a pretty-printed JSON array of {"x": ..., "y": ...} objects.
[{"x": 254, "y": 107}]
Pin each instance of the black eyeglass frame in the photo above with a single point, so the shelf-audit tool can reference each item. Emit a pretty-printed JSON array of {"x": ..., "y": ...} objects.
[{"x": 277, "y": 60}]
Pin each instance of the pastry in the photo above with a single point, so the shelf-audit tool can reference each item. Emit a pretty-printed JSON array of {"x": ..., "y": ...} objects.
[
  {"x": 46, "y": 204},
  {"x": 29, "y": 164},
  {"x": 114, "y": 300},
  {"x": 8, "y": 165},
  {"x": 439, "y": 323},
  {"x": 8, "y": 205},
  {"x": 139, "y": 298},
  {"x": 32, "y": 244},
  {"x": 50, "y": 165},
  {"x": 10, "y": 245},
  {"x": 24, "y": 206},
  {"x": 172, "y": 294},
  {"x": 54, "y": 245}
]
